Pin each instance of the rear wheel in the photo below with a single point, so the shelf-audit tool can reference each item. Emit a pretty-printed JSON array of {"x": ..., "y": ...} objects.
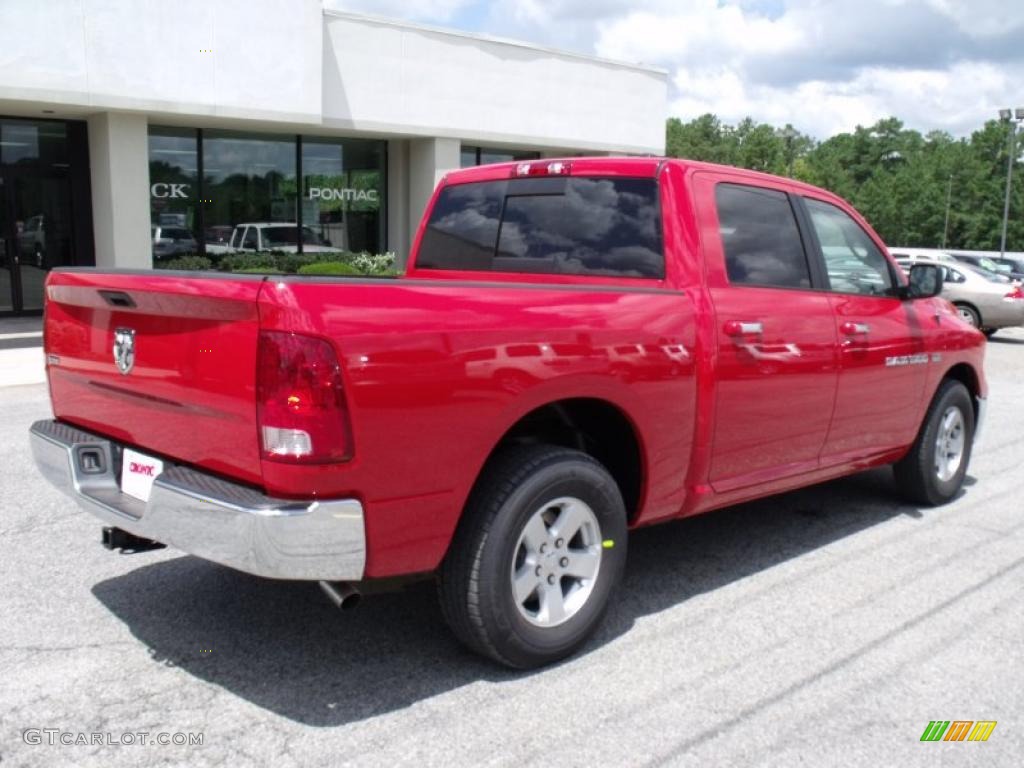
[
  {"x": 536, "y": 557},
  {"x": 968, "y": 314},
  {"x": 934, "y": 469}
]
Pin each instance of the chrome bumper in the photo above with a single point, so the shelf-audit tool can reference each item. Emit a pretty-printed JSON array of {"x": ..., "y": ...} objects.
[{"x": 206, "y": 516}]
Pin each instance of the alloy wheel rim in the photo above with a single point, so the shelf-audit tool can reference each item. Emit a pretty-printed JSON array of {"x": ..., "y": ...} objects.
[
  {"x": 966, "y": 314},
  {"x": 556, "y": 562},
  {"x": 949, "y": 444}
]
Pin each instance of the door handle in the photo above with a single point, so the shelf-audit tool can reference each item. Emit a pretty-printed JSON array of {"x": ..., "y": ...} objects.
[
  {"x": 737, "y": 328},
  {"x": 852, "y": 329}
]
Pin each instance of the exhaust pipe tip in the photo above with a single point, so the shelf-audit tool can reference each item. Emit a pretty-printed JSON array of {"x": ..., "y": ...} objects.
[{"x": 343, "y": 594}]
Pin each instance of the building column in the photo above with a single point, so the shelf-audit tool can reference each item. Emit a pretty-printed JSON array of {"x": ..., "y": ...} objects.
[
  {"x": 119, "y": 166},
  {"x": 429, "y": 161},
  {"x": 397, "y": 209}
]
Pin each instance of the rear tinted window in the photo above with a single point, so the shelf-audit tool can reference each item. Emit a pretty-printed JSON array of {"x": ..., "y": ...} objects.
[
  {"x": 760, "y": 237},
  {"x": 576, "y": 226}
]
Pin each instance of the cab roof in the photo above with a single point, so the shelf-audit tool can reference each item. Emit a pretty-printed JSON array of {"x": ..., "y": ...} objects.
[{"x": 637, "y": 167}]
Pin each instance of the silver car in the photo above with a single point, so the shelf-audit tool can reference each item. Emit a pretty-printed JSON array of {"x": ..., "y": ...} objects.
[{"x": 980, "y": 298}]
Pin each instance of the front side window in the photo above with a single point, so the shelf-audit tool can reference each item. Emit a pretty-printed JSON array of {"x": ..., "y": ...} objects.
[
  {"x": 577, "y": 226},
  {"x": 760, "y": 238},
  {"x": 853, "y": 261}
]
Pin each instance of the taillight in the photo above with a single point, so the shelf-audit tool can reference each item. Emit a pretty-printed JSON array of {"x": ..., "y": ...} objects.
[
  {"x": 1015, "y": 294},
  {"x": 543, "y": 168},
  {"x": 300, "y": 400}
]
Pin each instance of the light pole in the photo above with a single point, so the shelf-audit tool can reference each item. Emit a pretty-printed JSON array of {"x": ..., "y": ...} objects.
[
  {"x": 1012, "y": 118},
  {"x": 949, "y": 199},
  {"x": 789, "y": 134}
]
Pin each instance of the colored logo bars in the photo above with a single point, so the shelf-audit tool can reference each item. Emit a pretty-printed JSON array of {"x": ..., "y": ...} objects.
[{"x": 958, "y": 730}]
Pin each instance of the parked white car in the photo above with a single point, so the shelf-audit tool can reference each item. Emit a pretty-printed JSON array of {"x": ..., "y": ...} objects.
[{"x": 271, "y": 236}]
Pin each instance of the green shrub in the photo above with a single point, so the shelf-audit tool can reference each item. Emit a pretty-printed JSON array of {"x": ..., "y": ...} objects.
[
  {"x": 238, "y": 262},
  {"x": 329, "y": 268},
  {"x": 187, "y": 263},
  {"x": 340, "y": 263},
  {"x": 375, "y": 263}
]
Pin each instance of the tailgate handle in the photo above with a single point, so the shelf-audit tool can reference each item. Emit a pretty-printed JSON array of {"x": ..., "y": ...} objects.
[{"x": 117, "y": 298}]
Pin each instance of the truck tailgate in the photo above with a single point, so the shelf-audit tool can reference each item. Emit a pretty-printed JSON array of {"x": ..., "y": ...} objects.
[{"x": 190, "y": 392}]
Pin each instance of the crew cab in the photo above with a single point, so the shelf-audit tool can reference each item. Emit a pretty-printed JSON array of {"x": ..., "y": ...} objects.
[{"x": 577, "y": 348}]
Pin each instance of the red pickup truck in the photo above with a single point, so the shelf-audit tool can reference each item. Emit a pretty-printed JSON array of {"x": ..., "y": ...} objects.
[{"x": 577, "y": 348}]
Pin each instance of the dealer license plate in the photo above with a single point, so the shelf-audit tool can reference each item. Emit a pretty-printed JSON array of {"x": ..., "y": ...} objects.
[{"x": 138, "y": 471}]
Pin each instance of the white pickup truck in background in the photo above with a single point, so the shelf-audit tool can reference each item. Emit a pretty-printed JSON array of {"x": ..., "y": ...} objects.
[{"x": 272, "y": 236}]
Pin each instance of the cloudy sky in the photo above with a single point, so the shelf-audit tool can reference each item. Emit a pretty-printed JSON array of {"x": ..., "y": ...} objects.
[{"x": 822, "y": 65}]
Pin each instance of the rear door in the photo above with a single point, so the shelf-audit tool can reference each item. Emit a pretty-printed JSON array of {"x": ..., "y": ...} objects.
[
  {"x": 776, "y": 338},
  {"x": 882, "y": 355}
]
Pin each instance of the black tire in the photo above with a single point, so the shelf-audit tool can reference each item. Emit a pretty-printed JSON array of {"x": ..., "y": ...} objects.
[
  {"x": 475, "y": 580},
  {"x": 916, "y": 473},
  {"x": 970, "y": 314}
]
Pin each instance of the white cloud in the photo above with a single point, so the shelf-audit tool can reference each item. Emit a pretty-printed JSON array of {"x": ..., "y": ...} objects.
[
  {"x": 957, "y": 100},
  {"x": 825, "y": 70},
  {"x": 822, "y": 65}
]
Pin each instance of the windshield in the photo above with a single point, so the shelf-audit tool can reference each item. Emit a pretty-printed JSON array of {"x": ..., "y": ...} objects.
[{"x": 287, "y": 235}]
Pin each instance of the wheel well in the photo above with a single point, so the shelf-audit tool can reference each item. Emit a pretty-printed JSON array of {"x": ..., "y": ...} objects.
[
  {"x": 595, "y": 427},
  {"x": 966, "y": 375}
]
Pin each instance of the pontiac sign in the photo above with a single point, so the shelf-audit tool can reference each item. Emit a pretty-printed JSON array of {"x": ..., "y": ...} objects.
[{"x": 345, "y": 193}]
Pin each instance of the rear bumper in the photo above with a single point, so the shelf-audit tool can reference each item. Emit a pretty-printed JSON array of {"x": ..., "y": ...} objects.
[{"x": 206, "y": 516}]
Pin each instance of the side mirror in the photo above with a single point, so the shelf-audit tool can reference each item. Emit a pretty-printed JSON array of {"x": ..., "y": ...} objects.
[{"x": 925, "y": 281}]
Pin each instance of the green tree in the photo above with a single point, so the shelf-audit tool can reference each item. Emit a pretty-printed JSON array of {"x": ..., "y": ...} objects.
[{"x": 898, "y": 178}]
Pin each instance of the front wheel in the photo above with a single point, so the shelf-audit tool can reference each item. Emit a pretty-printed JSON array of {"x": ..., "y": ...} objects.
[
  {"x": 934, "y": 469},
  {"x": 540, "y": 549}
]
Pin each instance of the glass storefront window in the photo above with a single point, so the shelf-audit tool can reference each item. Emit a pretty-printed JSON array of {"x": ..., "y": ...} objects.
[
  {"x": 471, "y": 156},
  {"x": 206, "y": 184},
  {"x": 343, "y": 194},
  {"x": 38, "y": 225},
  {"x": 28, "y": 144},
  {"x": 247, "y": 178},
  {"x": 173, "y": 192}
]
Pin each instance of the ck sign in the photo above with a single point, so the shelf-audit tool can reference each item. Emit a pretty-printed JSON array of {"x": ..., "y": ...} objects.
[{"x": 160, "y": 189}]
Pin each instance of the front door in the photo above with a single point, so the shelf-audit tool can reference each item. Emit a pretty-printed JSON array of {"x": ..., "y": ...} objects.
[
  {"x": 35, "y": 236},
  {"x": 883, "y": 361},
  {"x": 776, "y": 369}
]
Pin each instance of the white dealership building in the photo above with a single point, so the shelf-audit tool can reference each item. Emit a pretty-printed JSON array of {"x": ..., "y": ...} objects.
[{"x": 126, "y": 125}]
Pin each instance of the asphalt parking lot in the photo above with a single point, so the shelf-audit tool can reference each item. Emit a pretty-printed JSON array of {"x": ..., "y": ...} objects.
[{"x": 824, "y": 627}]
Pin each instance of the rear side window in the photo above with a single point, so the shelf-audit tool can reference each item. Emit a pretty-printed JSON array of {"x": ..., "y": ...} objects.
[
  {"x": 568, "y": 226},
  {"x": 760, "y": 238}
]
